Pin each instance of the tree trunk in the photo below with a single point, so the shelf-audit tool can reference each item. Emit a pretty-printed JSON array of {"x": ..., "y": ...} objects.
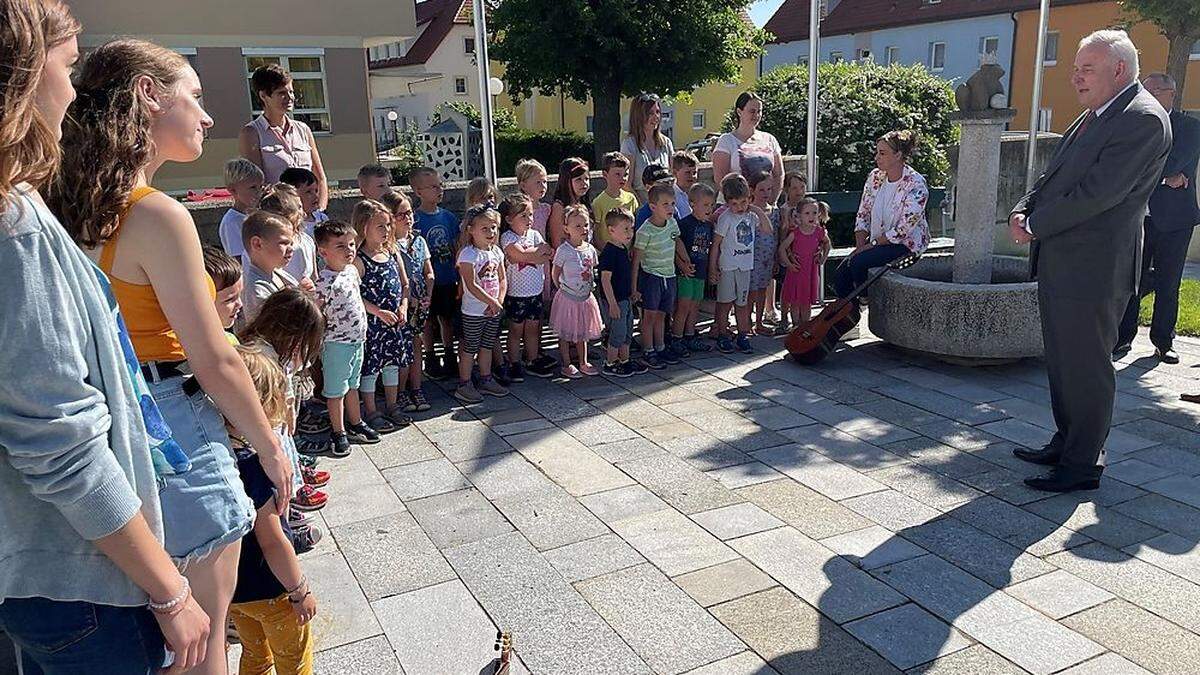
[
  {"x": 606, "y": 118},
  {"x": 1178, "y": 54}
]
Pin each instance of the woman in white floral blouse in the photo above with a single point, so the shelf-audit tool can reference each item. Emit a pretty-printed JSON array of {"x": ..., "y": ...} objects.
[{"x": 891, "y": 217}]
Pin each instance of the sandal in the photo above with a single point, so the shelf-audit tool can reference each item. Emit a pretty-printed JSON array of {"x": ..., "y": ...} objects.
[
  {"x": 397, "y": 417},
  {"x": 380, "y": 423}
]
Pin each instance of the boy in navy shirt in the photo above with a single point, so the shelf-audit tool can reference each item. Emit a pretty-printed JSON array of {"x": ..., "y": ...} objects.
[
  {"x": 696, "y": 232},
  {"x": 440, "y": 229},
  {"x": 616, "y": 279}
]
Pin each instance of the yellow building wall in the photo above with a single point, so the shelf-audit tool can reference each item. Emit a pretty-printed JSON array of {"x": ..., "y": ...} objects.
[{"x": 1073, "y": 22}]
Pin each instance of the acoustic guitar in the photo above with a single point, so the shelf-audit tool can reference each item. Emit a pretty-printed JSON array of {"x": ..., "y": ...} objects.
[
  {"x": 504, "y": 647},
  {"x": 810, "y": 342}
]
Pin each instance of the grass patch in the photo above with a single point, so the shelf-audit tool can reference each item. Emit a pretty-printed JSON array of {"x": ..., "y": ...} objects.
[{"x": 1189, "y": 309}]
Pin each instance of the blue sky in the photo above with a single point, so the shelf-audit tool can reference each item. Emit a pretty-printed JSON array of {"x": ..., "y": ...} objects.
[{"x": 761, "y": 10}]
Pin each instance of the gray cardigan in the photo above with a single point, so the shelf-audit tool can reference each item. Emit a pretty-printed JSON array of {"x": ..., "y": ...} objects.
[{"x": 74, "y": 461}]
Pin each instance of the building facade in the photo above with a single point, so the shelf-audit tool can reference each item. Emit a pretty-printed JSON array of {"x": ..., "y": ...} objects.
[{"x": 322, "y": 45}]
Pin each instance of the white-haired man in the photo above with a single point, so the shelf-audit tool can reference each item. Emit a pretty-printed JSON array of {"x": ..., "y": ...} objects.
[{"x": 1084, "y": 219}]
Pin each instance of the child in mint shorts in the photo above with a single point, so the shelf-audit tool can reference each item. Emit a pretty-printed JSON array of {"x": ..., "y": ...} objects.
[{"x": 696, "y": 234}]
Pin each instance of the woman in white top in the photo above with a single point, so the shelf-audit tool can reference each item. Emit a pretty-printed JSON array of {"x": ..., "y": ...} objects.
[
  {"x": 645, "y": 144},
  {"x": 748, "y": 150},
  {"x": 891, "y": 217},
  {"x": 274, "y": 141}
]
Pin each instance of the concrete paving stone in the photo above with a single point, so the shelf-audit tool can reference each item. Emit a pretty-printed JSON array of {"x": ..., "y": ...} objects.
[
  {"x": 441, "y": 417},
  {"x": 898, "y": 413},
  {"x": 554, "y": 403},
  {"x": 1019, "y": 432},
  {"x": 842, "y": 392},
  {"x": 1001, "y": 454},
  {"x": 976, "y": 660},
  {"x": 738, "y": 520},
  {"x": 876, "y": 431},
  {"x": 843, "y": 447},
  {"x": 891, "y": 509},
  {"x": 351, "y": 472},
  {"x": 500, "y": 476},
  {"x": 568, "y": 462},
  {"x": 980, "y": 554},
  {"x": 694, "y": 406},
  {"x": 1016, "y": 526},
  {"x": 1035, "y": 412},
  {"x": 807, "y": 466},
  {"x": 1058, "y": 594},
  {"x": 511, "y": 428},
  {"x": 469, "y": 442},
  {"x": 804, "y": 509},
  {"x": 592, "y": 388},
  {"x": 796, "y": 639},
  {"x": 704, "y": 452},
  {"x": 593, "y": 557},
  {"x": 1094, "y": 521},
  {"x": 438, "y": 629},
  {"x": 622, "y": 503},
  {"x": 624, "y": 451},
  {"x": 872, "y": 547},
  {"x": 507, "y": 415},
  {"x": 942, "y": 404},
  {"x": 364, "y": 501},
  {"x": 1106, "y": 664},
  {"x": 405, "y": 446},
  {"x": 455, "y": 518},
  {"x": 926, "y": 486},
  {"x": 741, "y": 475},
  {"x": 597, "y": 429},
  {"x": 422, "y": 479},
  {"x": 907, "y": 635},
  {"x": 954, "y": 386},
  {"x": 391, "y": 555},
  {"x": 661, "y": 433},
  {"x": 1135, "y": 580},
  {"x": 1164, "y": 433},
  {"x": 373, "y": 656},
  {"x": 1135, "y": 471},
  {"x": 1163, "y": 513},
  {"x": 633, "y": 411},
  {"x": 664, "y": 626},
  {"x": 550, "y": 517},
  {"x": 1171, "y": 458},
  {"x": 722, "y": 583},
  {"x": 1172, "y": 553},
  {"x": 939, "y": 458},
  {"x": 345, "y": 616},
  {"x": 1184, "y": 489},
  {"x": 676, "y": 482},
  {"x": 957, "y": 435},
  {"x": 831, "y": 413},
  {"x": 559, "y": 631},
  {"x": 1149, "y": 641},
  {"x": 673, "y": 543},
  {"x": 1039, "y": 645},
  {"x": 1122, "y": 442},
  {"x": 777, "y": 417},
  {"x": 746, "y": 663},
  {"x": 657, "y": 390},
  {"x": 820, "y": 577}
]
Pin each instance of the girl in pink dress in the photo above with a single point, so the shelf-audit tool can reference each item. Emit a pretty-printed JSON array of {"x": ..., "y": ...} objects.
[{"x": 802, "y": 252}]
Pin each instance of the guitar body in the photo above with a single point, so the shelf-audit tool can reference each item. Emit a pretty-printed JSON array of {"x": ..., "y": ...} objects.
[{"x": 816, "y": 338}]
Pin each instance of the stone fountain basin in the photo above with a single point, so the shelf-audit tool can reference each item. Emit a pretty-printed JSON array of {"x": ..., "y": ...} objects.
[{"x": 921, "y": 309}]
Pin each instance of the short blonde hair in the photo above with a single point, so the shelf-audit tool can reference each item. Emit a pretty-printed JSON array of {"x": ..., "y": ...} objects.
[
  {"x": 577, "y": 210},
  {"x": 240, "y": 169},
  {"x": 269, "y": 382},
  {"x": 528, "y": 168},
  {"x": 364, "y": 211},
  {"x": 478, "y": 191}
]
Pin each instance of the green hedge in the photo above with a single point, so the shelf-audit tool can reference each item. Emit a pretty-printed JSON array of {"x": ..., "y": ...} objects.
[
  {"x": 859, "y": 102},
  {"x": 547, "y": 147}
]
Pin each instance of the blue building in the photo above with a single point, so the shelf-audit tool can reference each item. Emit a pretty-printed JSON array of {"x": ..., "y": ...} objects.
[{"x": 948, "y": 37}]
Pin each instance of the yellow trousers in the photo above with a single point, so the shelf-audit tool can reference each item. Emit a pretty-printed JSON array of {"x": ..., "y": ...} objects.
[{"x": 272, "y": 637}]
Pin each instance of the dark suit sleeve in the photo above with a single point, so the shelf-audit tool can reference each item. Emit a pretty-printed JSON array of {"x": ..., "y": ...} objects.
[
  {"x": 1185, "y": 153},
  {"x": 1106, "y": 183}
]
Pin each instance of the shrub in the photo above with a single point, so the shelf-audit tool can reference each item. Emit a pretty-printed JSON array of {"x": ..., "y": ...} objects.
[
  {"x": 503, "y": 119},
  {"x": 858, "y": 103},
  {"x": 547, "y": 147}
]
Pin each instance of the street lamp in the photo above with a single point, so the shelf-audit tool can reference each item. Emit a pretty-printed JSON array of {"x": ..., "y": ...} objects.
[
  {"x": 1036, "y": 104},
  {"x": 485, "y": 88},
  {"x": 392, "y": 116},
  {"x": 815, "y": 10}
]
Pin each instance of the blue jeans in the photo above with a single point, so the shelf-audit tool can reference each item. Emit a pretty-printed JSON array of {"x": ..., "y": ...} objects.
[
  {"x": 64, "y": 638},
  {"x": 851, "y": 274}
]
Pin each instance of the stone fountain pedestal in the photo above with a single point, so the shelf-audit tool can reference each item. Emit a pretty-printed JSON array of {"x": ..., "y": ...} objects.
[{"x": 971, "y": 306}]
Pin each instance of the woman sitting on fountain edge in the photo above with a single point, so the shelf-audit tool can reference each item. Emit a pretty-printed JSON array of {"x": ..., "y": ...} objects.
[{"x": 891, "y": 217}]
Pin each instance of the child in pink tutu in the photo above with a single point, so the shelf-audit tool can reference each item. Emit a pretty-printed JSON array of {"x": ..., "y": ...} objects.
[
  {"x": 575, "y": 315},
  {"x": 802, "y": 252}
]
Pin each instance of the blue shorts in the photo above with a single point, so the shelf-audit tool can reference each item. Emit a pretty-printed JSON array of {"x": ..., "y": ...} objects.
[
  {"x": 341, "y": 366},
  {"x": 620, "y": 331},
  {"x": 206, "y": 508},
  {"x": 82, "y": 637},
  {"x": 658, "y": 293}
]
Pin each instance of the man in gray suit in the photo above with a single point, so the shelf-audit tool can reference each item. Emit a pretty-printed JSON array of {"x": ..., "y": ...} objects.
[
  {"x": 1084, "y": 219},
  {"x": 1168, "y": 229}
]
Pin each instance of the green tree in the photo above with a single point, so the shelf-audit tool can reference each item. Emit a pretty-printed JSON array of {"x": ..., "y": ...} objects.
[
  {"x": 1179, "y": 22},
  {"x": 609, "y": 48},
  {"x": 503, "y": 119}
]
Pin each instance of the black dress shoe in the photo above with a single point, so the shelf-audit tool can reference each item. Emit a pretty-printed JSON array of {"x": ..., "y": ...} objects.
[
  {"x": 1120, "y": 351},
  {"x": 1060, "y": 480},
  {"x": 1046, "y": 456},
  {"x": 1168, "y": 356}
]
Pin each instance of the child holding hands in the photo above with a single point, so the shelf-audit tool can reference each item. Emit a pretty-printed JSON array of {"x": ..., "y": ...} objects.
[
  {"x": 527, "y": 254},
  {"x": 802, "y": 252},
  {"x": 481, "y": 268}
]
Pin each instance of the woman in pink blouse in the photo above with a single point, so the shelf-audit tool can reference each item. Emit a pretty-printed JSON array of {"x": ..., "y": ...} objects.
[
  {"x": 274, "y": 141},
  {"x": 891, "y": 217}
]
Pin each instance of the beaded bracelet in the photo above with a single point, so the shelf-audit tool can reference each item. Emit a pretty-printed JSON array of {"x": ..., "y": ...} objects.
[{"x": 166, "y": 607}]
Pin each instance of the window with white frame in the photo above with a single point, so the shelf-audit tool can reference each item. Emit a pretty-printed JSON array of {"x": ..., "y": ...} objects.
[
  {"x": 891, "y": 55},
  {"x": 862, "y": 54},
  {"x": 836, "y": 57},
  {"x": 698, "y": 119},
  {"x": 1196, "y": 51},
  {"x": 989, "y": 46},
  {"x": 460, "y": 86},
  {"x": 468, "y": 45},
  {"x": 937, "y": 56},
  {"x": 307, "y": 68},
  {"x": 1050, "y": 58},
  {"x": 1044, "y": 119}
]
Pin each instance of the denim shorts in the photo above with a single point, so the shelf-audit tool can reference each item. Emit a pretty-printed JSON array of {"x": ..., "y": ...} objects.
[
  {"x": 341, "y": 366},
  {"x": 620, "y": 331},
  {"x": 658, "y": 293},
  {"x": 206, "y": 508},
  {"x": 81, "y": 637}
]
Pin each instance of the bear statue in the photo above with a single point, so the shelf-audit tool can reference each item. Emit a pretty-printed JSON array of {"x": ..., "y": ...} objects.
[{"x": 979, "y": 91}]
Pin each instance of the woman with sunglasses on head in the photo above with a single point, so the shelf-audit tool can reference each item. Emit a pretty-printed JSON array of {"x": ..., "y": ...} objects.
[{"x": 645, "y": 144}]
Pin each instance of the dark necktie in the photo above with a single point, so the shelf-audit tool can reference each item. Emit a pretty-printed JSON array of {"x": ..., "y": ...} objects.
[{"x": 1083, "y": 126}]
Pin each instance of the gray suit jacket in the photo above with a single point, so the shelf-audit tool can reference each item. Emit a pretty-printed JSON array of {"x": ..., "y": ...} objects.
[
  {"x": 1086, "y": 210},
  {"x": 1174, "y": 209}
]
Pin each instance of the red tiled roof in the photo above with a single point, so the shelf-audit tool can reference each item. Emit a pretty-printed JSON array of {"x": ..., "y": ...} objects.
[{"x": 440, "y": 15}]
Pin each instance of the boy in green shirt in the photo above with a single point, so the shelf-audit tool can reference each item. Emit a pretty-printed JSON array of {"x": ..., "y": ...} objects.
[
  {"x": 656, "y": 248},
  {"x": 615, "y": 168}
]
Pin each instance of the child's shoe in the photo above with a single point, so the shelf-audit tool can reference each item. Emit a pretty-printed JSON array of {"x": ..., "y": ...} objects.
[
  {"x": 309, "y": 498},
  {"x": 313, "y": 477},
  {"x": 516, "y": 372},
  {"x": 467, "y": 393},
  {"x": 697, "y": 345},
  {"x": 616, "y": 370},
  {"x": 361, "y": 434},
  {"x": 668, "y": 356},
  {"x": 309, "y": 461},
  {"x": 397, "y": 416},
  {"x": 725, "y": 345},
  {"x": 589, "y": 369},
  {"x": 312, "y": 423},
  {"x": 417, "y": 396},
  {"x": 570, "y": 372},
  {"x": 681, "y": 348},
  {"x": 380, "y": 423},
  {"x": 500, "y": 374},
  {"x": 339, "y": 445},
  {"x": 651, "y": 361},
  {"x": 629, "y": 369},
  {"x": 492, "y": 387},
  {"x": 743, "y": 344}
]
